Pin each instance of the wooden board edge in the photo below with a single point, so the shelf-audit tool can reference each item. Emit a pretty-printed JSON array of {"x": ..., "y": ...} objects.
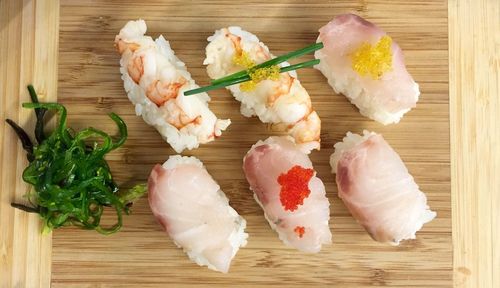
[
  {"x": 472, "y": 191},
  {"x": 30, "y": 35},
  {"x": 475, "y": 133}
]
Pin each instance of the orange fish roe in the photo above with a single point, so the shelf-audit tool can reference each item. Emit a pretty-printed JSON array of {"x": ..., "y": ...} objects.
[
  {"x": 299, "y": 230},
  {"x": 295, "y": 187}
]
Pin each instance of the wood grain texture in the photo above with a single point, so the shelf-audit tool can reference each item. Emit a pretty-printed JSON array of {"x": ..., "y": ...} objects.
[
  {"x": 28, "y": 55},
  {"x": 475, "y": 108},
  {"x": 142, "y": 255}
]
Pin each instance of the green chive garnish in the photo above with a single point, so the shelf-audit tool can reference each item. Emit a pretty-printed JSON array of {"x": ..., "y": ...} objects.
[
  {"x": 245, "y": 77},
  {"x": 274, "y": 61}
]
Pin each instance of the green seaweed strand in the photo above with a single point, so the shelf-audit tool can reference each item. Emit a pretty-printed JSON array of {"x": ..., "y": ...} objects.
[{"x": 71, "y": 179}]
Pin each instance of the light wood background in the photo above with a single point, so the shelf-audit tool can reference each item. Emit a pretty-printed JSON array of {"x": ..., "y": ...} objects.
[
  {"x": 474, "y": 28},
  {"x": 142, "y": 255},
  {"x": 28, "y": 54}
]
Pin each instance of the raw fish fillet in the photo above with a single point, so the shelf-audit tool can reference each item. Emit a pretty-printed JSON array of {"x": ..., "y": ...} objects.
[
  {"x": 377, "y": 189},
  {"x": 383, "y": 99},
  {"x": 196, "y": 214},
  {"x": 286, "y": 187}
]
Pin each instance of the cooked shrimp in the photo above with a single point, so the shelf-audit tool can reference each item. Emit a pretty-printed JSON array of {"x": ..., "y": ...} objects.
[
  {"x": 159, "y": 92},
  {"x": 155, "y": 81},
  {"x": 283, "y": 102}
]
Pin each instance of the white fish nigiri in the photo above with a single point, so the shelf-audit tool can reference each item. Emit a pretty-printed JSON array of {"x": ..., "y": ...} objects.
[
  {"x": 363, "y": 63},
  {"x": 286, "y": 187},
  {"x": 377, "y": 189},
  {"x": 155, "y": 81},
  {"x": 194, "y": 211},
  {"x": 284, "y": 103}
]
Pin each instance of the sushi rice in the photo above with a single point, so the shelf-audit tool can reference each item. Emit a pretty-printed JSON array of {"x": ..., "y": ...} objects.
[
  {"x": 263, "y": 165},
  {"x": 287, "y": 110},
  {"x": 161, "y": 64},
  {"x": 236, "y": 239},
  {"x": 385, "y": 99},
  {"x": 367, "y": 104},
  {"x": 355, "y": 199}
]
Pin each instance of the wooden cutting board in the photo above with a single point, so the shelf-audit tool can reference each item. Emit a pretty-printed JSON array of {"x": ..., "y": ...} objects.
[
  {"x": 90, "y": 87},
  {"x": 142, "y": 255}
]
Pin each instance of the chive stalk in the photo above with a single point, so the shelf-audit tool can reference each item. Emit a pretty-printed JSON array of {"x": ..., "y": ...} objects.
[
  {"x": 274, "y": 61},
  {"x": 246, "y": 77}
]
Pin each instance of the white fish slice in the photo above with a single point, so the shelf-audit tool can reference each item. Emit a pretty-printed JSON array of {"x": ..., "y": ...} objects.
[
  {"x": 195, "y": 213},
  {"x": 375, "y": 185},
  {"x": 386, "y": 99},
  {"x": 299, "y": 216}
]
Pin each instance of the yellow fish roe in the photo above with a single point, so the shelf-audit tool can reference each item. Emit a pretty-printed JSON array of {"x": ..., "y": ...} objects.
[
  {"x": 243, "y": 59},
  {"x": 270, "y": 72},
  {"x": 257, "y": 75},
  {"x": 248, "y": 86},
  {"x": 373, "y": 60}
]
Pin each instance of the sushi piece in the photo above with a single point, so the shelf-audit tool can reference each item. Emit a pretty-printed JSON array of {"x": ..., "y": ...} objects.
[
  {"x": 283, "y": 102},
  {"x": 362, "y": 62},
  {"x": 194, "y": 211},
  {"x": 286, "y": 187},
  {"x": 377, "y": 189},
  {"x": 155, "y": 81}
]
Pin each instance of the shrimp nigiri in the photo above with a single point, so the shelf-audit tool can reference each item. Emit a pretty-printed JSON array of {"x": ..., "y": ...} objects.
[
  {"x": 286, "y": 187},
  {"x": 377, "y": 189},
  {"x": 283, "y": 102},
  {"x": 155, "y": 81},
  {"x": 362, "y": 62},
  {"x": 195, "y": 212}
]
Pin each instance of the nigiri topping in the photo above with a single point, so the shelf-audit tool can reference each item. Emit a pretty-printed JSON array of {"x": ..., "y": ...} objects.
[
  {"x": 376, "y": 187},
  {"x": 295, "y": 187},
  {"x": 284, "y": 103},
  {"x": 373, "y": 60},
  {"x": 261, "y": 74},
  {"x": 368, "y": 67},
  {"x": 155, "y": 81},
  {"x": 299, "y": 230},
  {"x": 195, "y": 212},
  {"x": 306, "y": 228},
  {"x": 243, "y": 59}
]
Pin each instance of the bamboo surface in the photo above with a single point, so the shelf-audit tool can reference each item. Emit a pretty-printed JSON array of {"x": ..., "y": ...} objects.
[
  {"x": 475, "y": 145},
  {"x": 141, "y": 255},
  {"x": 28, "y": 55}
]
